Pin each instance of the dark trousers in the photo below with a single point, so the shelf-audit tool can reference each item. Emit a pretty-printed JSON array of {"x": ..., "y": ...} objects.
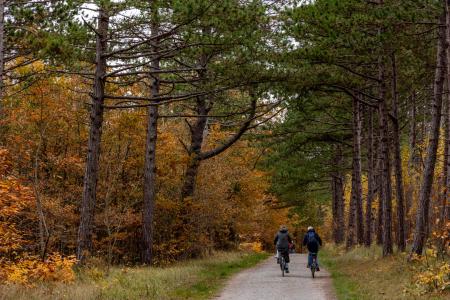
[{"x": 285, "y": 253}]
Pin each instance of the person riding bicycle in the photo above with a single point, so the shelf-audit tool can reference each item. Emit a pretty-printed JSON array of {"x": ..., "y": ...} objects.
[
  {"x": 312, "y": 241},
  {"x": 282, "y": 240}
]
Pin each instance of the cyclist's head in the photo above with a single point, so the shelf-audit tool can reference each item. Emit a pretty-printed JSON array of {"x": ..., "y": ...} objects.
[
  {"x": 283, "y": 228},
  {"x": 310, "y": 228}
]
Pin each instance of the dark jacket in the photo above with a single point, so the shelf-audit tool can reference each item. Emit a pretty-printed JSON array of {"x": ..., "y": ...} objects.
[
  {"x": 314, "y": 246},
  {"x": 282, "y": 240}
]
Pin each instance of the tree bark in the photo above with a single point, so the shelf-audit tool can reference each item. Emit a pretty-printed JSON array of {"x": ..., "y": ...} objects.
[
  {"x": 351, "y": 224},
  {"x": 358, "y": 173},
  {"x": 150, "y": 147},
  {"x": 412, "y": 163},
  {"x": 84, "y": 243},
  {"x": 338, "y": 198},
  {"x": 422, "y": 220},
  {"x": 386, "y": 187},
  {"x": 197, "y": 137},
  {"x": 379, "y": 183},
  {"x": 370, "y": 179},
  {"x": 443, "y": 212},
  {"x": 195, "y": 148},
  {"x": 401, "y": 241},
  {"x": 355, "y": 212}
]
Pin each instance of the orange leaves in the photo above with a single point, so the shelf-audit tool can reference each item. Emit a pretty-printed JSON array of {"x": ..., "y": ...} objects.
[
  {"x": 5, "y": 163},
  {"x": 30, "y": 270},
  {"x": 434, "y": 278},
  {"x": 14, "y": 199}
]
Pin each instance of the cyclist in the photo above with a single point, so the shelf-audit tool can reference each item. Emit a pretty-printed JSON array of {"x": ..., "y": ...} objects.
[
  {"x": 312, "y": 241},
  {"x": 282, "y": 240}
]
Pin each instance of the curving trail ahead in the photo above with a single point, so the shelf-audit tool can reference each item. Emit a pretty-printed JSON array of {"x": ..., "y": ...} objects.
[{"x": 264, "y": 282}]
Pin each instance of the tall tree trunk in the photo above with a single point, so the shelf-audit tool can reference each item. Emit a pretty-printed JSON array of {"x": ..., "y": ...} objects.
[
  {"x": 351, "y": 224},
  {"x": 401, "y": 241},
  {"x": 358, "y": 173},
  {"x": 414, "y": 159},
  {"x": 370, "y": 179},
  {"x": 338, "y": 197},
  {"x": 443, "y": 214},
  {"x": 422, "y": 220},
  {"x": 443, "y": 197},
  {"x": 150, "y": 147},
  {"x": 95, "y": 133},
  {"x": 386, "y": 188},
  {"x": 379, "y": 183},
  {"x": 355, "y": 212},
  {"x": 195, "y": 148},
  {"x": 196, "y": 156},
  {"x": 412, "y": 163}
]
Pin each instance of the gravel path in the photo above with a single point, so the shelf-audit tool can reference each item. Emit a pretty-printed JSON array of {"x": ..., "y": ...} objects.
[{"x": 264, "y": 282}]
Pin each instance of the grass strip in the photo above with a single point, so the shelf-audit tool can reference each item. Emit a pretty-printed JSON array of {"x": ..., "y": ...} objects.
[
  {"x": 362, "y": 274},
  {"x": 195, "y": 279}
]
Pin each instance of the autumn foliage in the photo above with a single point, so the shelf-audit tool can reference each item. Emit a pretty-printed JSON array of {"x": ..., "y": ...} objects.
[
  {"x": 17, "y": 235},
  {"x": 44, "y": 157}
]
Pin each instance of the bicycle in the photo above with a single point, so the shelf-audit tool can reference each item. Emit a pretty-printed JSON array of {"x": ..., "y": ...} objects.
[
  {"x": 282, "y": 263},
  {"x": 314, "y": 265}
]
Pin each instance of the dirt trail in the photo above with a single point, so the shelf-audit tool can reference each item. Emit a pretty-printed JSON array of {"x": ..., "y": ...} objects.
[{"x": 264, "y": 282}]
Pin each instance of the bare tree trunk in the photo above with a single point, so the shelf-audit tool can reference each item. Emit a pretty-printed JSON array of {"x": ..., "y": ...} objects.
[
  {"x": 412, "y": 163},
  {"x": 370, "y": 179},
  {"x": 195, "y": 148},
  {"x": 379, "y": 183},
  {"x": 386, "y": 188},
  {"x": 95, "y": 133},
  {"x": 443, "y": 214},
  {"x": 414, "y": 160},
  {"x": 196, "y": 156},
  {"x": 351, "y": 215},
  {"x": 422, "y": 221},
  {"x": 150, "y": 151},
  {"x": 340, "y": 207},
  {"x": 401, "y": 241},
  {"x": 358, "y": 173},
  {"x": 338, "y": 198},
  {"x": 355, "y": 212},
  {"x": 443, "y": 197}
]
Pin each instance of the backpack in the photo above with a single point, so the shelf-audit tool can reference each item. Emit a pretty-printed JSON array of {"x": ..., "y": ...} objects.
[
  {"x": 311, "y": 238},
  {"x": 283, "y": 241}
]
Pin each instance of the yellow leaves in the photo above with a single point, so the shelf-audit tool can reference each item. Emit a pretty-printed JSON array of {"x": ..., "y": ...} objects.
[
  {"x": 31, "y": 270},
  {"x": 16, "y": 200},
  {"x": 253, "y": 247},
  {"x": 434, "y": 277}
]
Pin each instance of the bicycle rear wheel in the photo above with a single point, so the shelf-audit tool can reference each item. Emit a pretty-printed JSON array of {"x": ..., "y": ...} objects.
[
  {"x": 282, "y": 266},
  {"x": 313, "y": 266}
]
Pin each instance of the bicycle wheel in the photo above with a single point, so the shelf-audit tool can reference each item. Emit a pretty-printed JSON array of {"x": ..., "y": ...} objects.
[
  {"x": 313, "y": 267},
  {"x": 282, "y": 266}
]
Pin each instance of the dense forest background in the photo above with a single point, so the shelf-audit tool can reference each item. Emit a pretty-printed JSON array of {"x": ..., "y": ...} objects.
[{"x": 145, "y": 132}]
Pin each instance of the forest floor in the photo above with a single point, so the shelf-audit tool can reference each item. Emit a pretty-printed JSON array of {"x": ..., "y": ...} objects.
[
  {"x": 196, "y": 279},
  {"x": 362, "y": 274}
]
